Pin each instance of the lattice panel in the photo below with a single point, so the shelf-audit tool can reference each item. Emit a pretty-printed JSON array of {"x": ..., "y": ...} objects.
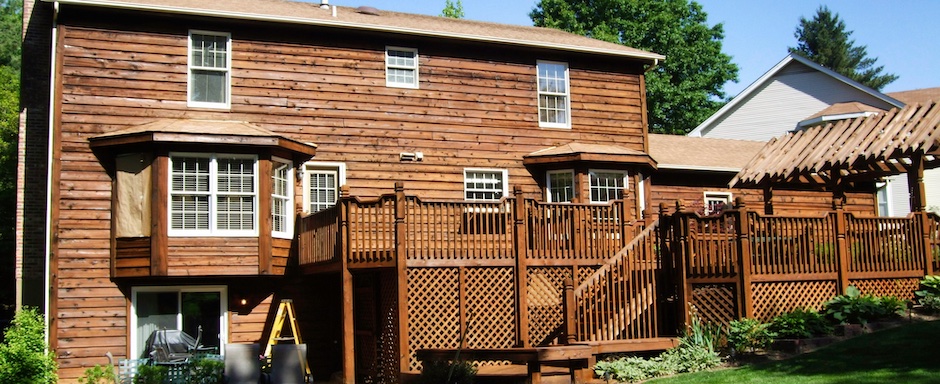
[
  {"x": 900, "y": 288},
  {"x": 772, "y": 299},
  {"x": 544, "y": 293},
  {"x": 365, "y": 320},
  {"x": 433, "y": 310},
  {"x": 387, "y": 366},
  {"x": 584, "y": 273},
  {"x": 715, "y": 303},
  {"x": 491, "y": 320}
]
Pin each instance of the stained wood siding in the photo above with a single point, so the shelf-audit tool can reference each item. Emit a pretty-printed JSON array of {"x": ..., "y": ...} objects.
[
  {"x": 786, "y": 202},
  {"x": 212, "y": 256}
]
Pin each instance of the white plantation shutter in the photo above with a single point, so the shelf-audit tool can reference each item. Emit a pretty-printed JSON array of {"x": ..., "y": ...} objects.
[
  {"x": 189, "y": 191},
  {"x": 235, "y": 199},
  {"x": 207, "y": 188}
]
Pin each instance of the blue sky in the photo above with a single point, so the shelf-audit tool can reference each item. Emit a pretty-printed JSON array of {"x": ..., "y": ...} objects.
[{"x": 901, "y": 34}]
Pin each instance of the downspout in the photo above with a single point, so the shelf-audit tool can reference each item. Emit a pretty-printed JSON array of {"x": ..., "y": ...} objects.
[{"x": 52, "y": 87}]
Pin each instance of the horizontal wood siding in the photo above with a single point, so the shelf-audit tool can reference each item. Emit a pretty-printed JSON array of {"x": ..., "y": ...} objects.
[
  {"x": 212, "y": 256},
  {"x": 132, "y": 257},
  {"x": 247, "y": 323},
  {"x": 280, "y": 254}
]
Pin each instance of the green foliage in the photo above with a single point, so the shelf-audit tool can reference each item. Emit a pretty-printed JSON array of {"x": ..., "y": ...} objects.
[
  {"x": 151, "y": 374},
  {"x": 206, "y": 371},
  {"x": 681, "y": 91},
  {"x": 800, "y": 324},
  {"x": 99, "y": 375},
  {"x": 444, "y": 372},
  {"x": 748, "y": 335},
  {"x": 825, "y": 41},
  {"x": 453, "y": 10},
  {"x": 700, "y": 334},
  {"x": 855, "y": 308},
  {"x": 11, "y": 32},
  {"x": 23, "y": 354},
  {"x": 929, "y": 296}
]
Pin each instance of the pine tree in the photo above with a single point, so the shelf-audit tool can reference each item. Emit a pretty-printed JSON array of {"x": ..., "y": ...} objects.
[{"x": 825, "y": 41}]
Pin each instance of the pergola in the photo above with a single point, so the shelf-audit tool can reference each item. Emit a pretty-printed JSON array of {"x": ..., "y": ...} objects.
[{"x": 862, "y": 149}]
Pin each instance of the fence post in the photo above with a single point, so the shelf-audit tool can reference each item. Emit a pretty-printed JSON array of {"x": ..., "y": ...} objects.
[
  {"x": 568, "y": 304},
  {"x": 745, "y": 291},
  {"x": 522, "y": 279},
  {"x": 842, "y": 254},
  {"x": 402, "y": 274},
  {"x": 684, "y": 249},
  {"x": 926, "y": 228},
  {"x": 345, "y": 250}
]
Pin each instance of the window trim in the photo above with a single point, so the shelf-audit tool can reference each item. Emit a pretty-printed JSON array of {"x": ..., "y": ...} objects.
[
  {"x": 190, "y": 68},
  {"x": 309, "y": 166},
  {"x": 566, "y": 95},
  {"x": 548, "y": 184},
  {"x": 714, "y": 195},
  {"x": 212, "y": 231},
  {"x": 505, "y": 178},
  {"x": 223, "y": 310},
  {"x": 625, "y": 179},
  {"x": 415, "y": 68},
  {"x": 289, "y": 203}
]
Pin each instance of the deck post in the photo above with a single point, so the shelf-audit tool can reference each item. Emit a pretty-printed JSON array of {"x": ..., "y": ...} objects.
[
  {"x": 571, "y": 335},
  {"x": 842, "y": 254},
  {"x": 925, "y": 230},
  {"x": 401, "y": 266},
  {"x": 521, "y": 247},
  {"x": 349, "y": 330},
  {"x": 745, "y": 291},
  {"x": 684, "y": 248}
]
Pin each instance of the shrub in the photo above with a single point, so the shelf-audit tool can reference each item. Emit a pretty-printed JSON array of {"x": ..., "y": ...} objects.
[
  {"x": 206, "y": 371},
  {"x": 151, "y": 374},
  {"x": 23, "y": 354},
  {"x": 99, "y": 375},
  {"x": 800, "y": 324},
  {"x": 929, "y": 296},
  {"x": 629, "y": 369},
  {"x": 748, "y": 335},
  {"x": 437, "y": 372},
  {"x": 855, "y": 308}
]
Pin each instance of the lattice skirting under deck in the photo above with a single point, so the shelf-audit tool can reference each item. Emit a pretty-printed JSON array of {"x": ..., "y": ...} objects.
[
  {"x": 715, "y": 303},
  {"x": 774, "y": 298}
]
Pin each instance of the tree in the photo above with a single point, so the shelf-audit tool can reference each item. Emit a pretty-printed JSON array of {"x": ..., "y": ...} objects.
[
  {"x": 453, "y": 10},
  {"x": 684, "y": 89},
  {"x": 825, "y": 41},
  {"x": 11, "y": 24},
  {"x": 11, "y": 33}
]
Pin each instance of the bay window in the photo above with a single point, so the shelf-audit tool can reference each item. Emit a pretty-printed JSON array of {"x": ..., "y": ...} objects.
[{"x": 213, "y": 194}]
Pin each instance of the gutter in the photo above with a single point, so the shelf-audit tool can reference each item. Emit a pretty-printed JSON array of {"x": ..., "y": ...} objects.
[
  {"x": 362, "y": 26},
  {"x": 47, "y": 284}
]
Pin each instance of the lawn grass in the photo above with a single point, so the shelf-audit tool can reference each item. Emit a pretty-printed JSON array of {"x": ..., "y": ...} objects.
[{"x": 906, "y": 354}]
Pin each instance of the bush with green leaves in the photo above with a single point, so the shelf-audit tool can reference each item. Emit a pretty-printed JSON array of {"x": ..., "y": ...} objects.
[
  {"x": 446, "y": 372},
  {"x": 99, "y": 375},
  {"x": 749, "y": 335},
  {"x": 204, "y": 370},
  {"x": 24, "y": 357},
  {"x": 151, "y": 374},
  {"x": 929, "y": 295},
  {"x": 800, "y": 323},
  {"x": 855, "y": 308}
]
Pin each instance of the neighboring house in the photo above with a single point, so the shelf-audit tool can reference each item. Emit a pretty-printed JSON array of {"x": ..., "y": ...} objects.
[
  {"x": 697, "y": 170},
  {"x": 798, "y": 93},
  {"x": 170, "y": 146}
]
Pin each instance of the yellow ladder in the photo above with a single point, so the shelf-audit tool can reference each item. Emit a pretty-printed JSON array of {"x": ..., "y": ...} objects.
[{"x": 285, "y": 313}]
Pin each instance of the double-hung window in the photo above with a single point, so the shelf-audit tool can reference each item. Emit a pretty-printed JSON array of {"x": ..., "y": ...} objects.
[
  {"x": 560, "y": 185},
  {"x": 554, "y": 103},
  {"x": 401, "y": 67},
  {"x": 607, "y": 185},
  {"x": 715, "y": 202},
  {"x": 209, "y": 69},
  {"x": 322, "y": 182},
  {"x": 485, "y": 184},
  {"x": 213, "y": 194},
  {"x": 282, "y": 201}
]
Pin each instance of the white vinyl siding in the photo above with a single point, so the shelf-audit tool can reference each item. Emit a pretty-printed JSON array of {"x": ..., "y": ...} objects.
[
  {"x": 560, "y": 185},
  {"x": 213, "y": 194},
  {"x": 282, "y": 199},
  {"x": 553, "y": 94},
  {"x": 485, "y": 184},
  {"x": 209, "y": 69},
  {"x": 607, "y": 185},
  {"x": 401, "y": 67}
]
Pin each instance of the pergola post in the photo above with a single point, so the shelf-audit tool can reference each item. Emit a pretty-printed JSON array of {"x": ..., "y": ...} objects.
[
  {"x": 768, "y": 199},
  {"x": 915, "y": 183}
]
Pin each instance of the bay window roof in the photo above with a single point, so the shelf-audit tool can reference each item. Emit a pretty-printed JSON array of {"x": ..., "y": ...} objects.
[{"x": 576, "y": 152}]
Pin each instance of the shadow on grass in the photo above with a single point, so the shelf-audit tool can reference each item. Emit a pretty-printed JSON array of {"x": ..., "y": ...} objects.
[{"x": 905, "y": 354}]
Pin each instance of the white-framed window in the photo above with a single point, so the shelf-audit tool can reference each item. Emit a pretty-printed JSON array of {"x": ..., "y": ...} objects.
[
  {"x": 322, "y": 182},
  {"x": 210, "y": 69},
  {"x": 182, "y": 308},
  {"x": 554, "y": 97},
  {"x": 401, "y": 67},
  {"x": 485, "y": 184},
  {"x": 282, "y": 198},
  {"x": 607, "y": 185},
  {"x": 715, "y": 202},
  {"x": 560, "y": 186},
  {"x": 213, "y": 194},
  {"x": 881, "y": 197}
]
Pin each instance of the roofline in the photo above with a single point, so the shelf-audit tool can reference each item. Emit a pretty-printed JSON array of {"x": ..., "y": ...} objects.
[
  {"x": 699, "y": 168},
  {"x": 652, "y": 57},
  {"x": 841, "y": 116},
  {"x": 699, "y": 130}
]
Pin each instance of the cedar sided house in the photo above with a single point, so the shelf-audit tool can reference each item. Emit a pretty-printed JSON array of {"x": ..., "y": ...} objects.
[{"x": 178, "y": 148}]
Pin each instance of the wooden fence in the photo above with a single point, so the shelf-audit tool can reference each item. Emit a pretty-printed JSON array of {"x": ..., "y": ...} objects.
[{"x": 745, "y": 264}]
